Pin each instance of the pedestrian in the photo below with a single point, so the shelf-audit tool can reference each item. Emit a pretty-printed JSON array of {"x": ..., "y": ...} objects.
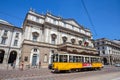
[
  {"x": 39, "y": 64},
  {"x": 22, "y": 65},
  {"x": 14, "y": 63}
]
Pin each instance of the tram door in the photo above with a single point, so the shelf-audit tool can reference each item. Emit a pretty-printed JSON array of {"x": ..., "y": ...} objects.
[{"x": 34, "y": 60}]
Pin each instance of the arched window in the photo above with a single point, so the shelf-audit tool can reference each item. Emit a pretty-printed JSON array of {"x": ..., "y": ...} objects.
[
  {"x": 80, "y": 42},
  {"x": 2, "y": 52},
  {"x": 64, "y": 39},
  {"x": 35, "y": 50},
  {"x": 86, "y": 44},
  {"x": 73, "y": 41},
  {"x": 53, "y": 38},
  {"x": 35, "y": 36}
]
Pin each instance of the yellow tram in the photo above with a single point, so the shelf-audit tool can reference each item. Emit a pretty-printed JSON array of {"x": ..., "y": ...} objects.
[{"x": 74, "y": 62}]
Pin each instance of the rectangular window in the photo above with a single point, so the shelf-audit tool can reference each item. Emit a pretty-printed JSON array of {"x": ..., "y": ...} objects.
[
  {"x": 53, "y": 41},
  {"x": 15, "y": 42},
  {"x": 72, "y": 27},
  {"x": 103, "y": 47},
  {"x": 64, "y": 25},
  {"x": 5, "y": 33},
  {"x": 3, "y": 40},
  {"x": 97, "y": 43},
  {"x": 37, "y": 19},
  {"x": 54, "y": 21},
  {"x": 103, "y": 42},
  {"x": 34, "y": 38},
  {"x": 17, "y": 35},
  {"x": 26, "y": 58},
  {"x": 45, "y": 58},
  {"x": 103, "y": 52}
]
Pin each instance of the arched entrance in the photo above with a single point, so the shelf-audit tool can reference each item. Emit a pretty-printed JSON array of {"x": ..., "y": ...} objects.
[
  {"x": 105, "y": 61},
  {"x": 2, "y": 52},
  {"x": 12, "y": 57}
]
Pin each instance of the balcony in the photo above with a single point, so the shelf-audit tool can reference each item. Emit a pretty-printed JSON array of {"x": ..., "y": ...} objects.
[
  {"x": 37, "y": 43},
  {"x": 77, "y": 49}
]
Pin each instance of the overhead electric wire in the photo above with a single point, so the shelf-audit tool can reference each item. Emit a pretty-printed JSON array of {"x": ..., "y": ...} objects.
[{"x": 89, "y": 17}]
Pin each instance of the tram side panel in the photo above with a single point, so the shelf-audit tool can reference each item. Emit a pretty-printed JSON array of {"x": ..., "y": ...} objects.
[
  {"x": 96, "y": 65},
  {"x": 59, "y": 66},
  {"x": 66, "y": 66}
]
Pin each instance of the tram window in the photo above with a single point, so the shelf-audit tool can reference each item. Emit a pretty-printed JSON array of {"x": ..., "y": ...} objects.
[
  {"x": 80, "y": 59},
  {"x": 87, "y": 59},
  {"x": 55, "y": 58},
  {"x": 70, "y": 58},
  {"x": 77, "y": 59},
  {"x": 100, "y": 60},
  {"x": 92, "y": 59},
  {"x": 96, "y": 60},
  {"x": 63, "y": 58},
  {"x": 74, "y": 58}
]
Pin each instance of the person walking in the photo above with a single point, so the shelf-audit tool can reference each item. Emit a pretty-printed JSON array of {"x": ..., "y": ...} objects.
[
  {"x": 22, "y": 65},
  {"x": 39, "y": 64}
]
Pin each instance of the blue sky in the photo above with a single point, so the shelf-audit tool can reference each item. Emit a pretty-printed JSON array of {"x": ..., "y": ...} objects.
[{"x": 105, "y": 14}]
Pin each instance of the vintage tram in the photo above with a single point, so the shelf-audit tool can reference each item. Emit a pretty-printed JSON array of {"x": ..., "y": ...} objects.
[{"x": 74, "y": 62}]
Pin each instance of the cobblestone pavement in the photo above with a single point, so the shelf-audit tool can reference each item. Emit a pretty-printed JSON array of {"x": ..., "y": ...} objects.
[{"x": 45, "y": 74}]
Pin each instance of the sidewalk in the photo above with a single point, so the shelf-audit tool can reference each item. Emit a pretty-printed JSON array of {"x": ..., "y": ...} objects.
[{"x": 5, "y": 74}]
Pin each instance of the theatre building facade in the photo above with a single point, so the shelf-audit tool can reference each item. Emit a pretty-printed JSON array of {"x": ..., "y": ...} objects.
[
  {"x": 43, "y": 35},
  {"x": 47, "y": 34}
]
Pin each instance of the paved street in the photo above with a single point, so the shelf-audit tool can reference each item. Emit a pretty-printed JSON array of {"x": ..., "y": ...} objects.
[{"x": 107, "y": 73}]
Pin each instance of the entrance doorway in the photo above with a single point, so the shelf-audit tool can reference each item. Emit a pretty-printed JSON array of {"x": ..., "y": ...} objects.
[
  {"x": 34, "y": 60},
  {"x": 105, "y": 61},
  {"x": 2, "y": 52},
  {"x": 34, "y": 57},
  {"x": 12, "y": 57}
]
